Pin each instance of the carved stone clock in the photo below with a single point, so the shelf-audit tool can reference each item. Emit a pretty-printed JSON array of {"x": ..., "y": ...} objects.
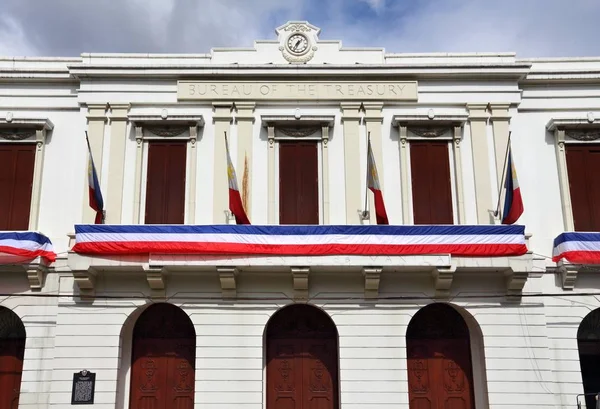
[
  {"x": 297, "y": 47},
  {"x": 297, "y": 44}
]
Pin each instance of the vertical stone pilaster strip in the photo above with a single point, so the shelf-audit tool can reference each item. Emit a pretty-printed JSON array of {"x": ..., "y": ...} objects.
[
  {"x": 36, "y": 186},
  {"x": 500, "y": 124},
  {"x": 374, "y": 120},
  {"x": 139, "y": 156},
  {"x": 352, "y": 166},
  {"x": 190, "y": 213},
  {"x": 96, "y": 117},
  {"x": 481, "y": 167},
  {"x": 458, "y": 174},
  {"x": 245, "y": 140},
  {"x": 222, "y": 119},
  {"x": 325, "y": 169},
  {"x": 563, "y": 180},
  {"x": 272, "y": 215},
  {"x": 405, "y": 181},
  {"x": 116, "y": 164}
]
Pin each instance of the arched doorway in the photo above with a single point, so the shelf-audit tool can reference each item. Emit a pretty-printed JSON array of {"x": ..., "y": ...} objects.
[
  {"x": 588, "y": 342},
  {"x": 440, "y": 372},
  {"x": 302, "y": 359},
  {"x": 163, "y": 359},
  {"x": 12, "y": 349}
]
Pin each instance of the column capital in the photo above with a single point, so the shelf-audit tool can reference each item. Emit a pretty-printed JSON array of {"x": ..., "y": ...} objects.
[
  {"x": 119, "y": 111},
  {"x": 97, "y": 112},
  {"x": 245, "y": 111},
  {"x": 477, "y": 112},
  {"x": 222, "y": 111},
  {"x": 500, "y": 112},
  {"x": 245, "y": 105}
]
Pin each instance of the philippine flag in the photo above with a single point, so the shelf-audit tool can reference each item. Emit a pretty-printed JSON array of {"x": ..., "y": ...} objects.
[
  {"x": 513, "y": 202},
  {"x": 95, "y": 195},
  {"x": 375, "y": 187},
  {"x": 235, "y": 200}
]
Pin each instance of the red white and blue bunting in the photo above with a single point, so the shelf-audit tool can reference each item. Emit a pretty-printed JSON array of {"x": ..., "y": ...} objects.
[
  {"x": 578, "y": 248},
  {"x": 466, "y": 241},
  {"x": 20, "y": 247}
]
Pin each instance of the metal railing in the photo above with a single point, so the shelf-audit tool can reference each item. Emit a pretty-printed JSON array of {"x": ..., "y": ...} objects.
[{"x": 596, "y": 394}]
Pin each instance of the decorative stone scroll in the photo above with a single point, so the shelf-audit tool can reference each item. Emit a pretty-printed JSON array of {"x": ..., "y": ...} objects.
[
  {"x": 583, "y": 135},
  {"x": 166, "y": 131},
  {"x": 298, "y": 132},
  {"x": 430, "y": 132},
  {"x": 16, "y": 134}
]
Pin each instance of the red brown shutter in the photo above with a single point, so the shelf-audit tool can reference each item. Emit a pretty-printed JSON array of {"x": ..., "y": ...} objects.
[
  {"x": 584, "y": 186},
  {"x": 17, "y": 161},
  {"x": 165, "y": 185},
  {"x": 298, "y": 183},
  {"x": 431, "y": 184}
]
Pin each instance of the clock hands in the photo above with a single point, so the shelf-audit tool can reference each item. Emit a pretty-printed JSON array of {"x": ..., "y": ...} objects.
[{"x": 297, "y": 43}]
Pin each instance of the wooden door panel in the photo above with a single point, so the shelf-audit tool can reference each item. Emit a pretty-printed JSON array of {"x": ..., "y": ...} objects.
[
  {"x": 319, "y": 371},
  {"x": 11, "y": 369},
  {"x": 16, "y": 180},
  {"x": 440, "y": 374},
  {"x": 593, "y": 186},
  {"x": 576, "y": 169},
  {"x": 149, "y": 376},
  {"x": 181, "y": 374},
  {"x": 298, "y": 183},
  {"x": 431, "y": 183},
  {"x": 165, "y": 183},
  {"x": 284, "y": 374}
]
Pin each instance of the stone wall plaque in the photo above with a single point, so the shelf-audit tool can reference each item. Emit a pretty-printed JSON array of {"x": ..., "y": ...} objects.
[
  {"x": 84, "y": 384},
  {"x": 297, "y": 91}
]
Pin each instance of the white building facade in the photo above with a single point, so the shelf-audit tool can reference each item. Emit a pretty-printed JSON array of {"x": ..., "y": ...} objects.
[{"x": 195, "y": 329}]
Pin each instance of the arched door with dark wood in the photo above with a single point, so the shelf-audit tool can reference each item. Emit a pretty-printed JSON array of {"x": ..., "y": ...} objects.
[
  {"x": 588, "y": 342},
  {"x": 12, "y": 349},
  {"x": 302, "y": 359},
  {"x": 163, "y": 359},
  {"x": 440, "y": 372}
]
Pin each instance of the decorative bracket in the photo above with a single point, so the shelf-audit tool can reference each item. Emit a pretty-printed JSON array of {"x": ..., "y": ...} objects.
[
  {"x": 372, "y": 278},
  {"x": 227, "y": 276},
  {"x": 36, "y": 273},
  {"x": 156, "y": 277},
  {"x": 300, "y": 279},
  {"x": 443, "y": 280},
  {"x": 86, "y": 281},
  {"x": 568, "y": 274},
  {"x": 515, "y": 281}
]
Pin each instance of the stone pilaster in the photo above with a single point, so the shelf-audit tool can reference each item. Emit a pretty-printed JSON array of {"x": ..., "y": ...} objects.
[
  {"x": 245, "y": 123},
  {"x": 222, "y": 119},
  {"x": 374, "y": 120},
  {"x": 271, "y": 209},
  {"x": 116, "y": 164},
  {"x": 405, "y": 182},
  {"x": 96, "y": 117},
  {"x": 500, "y": 124},
  {"x": 354, "y": 200},
  {"x": 481, "y": 165}
]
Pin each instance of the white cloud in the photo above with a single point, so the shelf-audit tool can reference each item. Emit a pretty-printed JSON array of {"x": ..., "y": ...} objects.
[{"x": 528, "y": 27}]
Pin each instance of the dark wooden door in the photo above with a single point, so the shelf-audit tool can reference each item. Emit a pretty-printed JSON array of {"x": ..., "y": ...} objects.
[
  {"x": 431, "y": 183},
  {"x": 298, "y": 183},
  {"x": 440, "y": 374},
  {"x": 302, "y": 374},
  {"x": 17, "y": 161},
  {"x": 582, "y": 164},
  {"x": 165, "y": 182},
  {"x": 11, "y": 369},
  {"x": 163, "y": 374}
]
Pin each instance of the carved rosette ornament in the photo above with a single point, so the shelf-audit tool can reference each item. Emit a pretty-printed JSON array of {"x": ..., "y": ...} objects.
[{"x": 582, "y": 135}]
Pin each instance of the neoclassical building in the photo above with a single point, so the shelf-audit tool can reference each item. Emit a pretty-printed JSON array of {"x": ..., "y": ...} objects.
[{"x": 171, "y": 303}]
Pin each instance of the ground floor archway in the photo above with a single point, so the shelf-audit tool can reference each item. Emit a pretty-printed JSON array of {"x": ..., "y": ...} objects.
[
  {"x": 588, "y": 343},
  {"x": 440, "y": 371},
  {"x": 302, "y": 359},
  {"x": 163, "y": 359},
  {"x": 12, "y": 350}
]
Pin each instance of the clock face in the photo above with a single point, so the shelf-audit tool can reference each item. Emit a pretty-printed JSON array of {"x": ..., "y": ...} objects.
[{"x": 297, "y": 43}]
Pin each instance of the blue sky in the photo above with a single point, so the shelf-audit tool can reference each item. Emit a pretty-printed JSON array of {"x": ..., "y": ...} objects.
[{"x": 531, "y": 28}]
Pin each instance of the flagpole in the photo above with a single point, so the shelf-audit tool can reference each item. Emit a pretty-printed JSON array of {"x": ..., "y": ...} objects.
[
  {"x": 366, "y": 211},
  {"x": 504, "y": 170},
  {"x": 87, "y": 139}
]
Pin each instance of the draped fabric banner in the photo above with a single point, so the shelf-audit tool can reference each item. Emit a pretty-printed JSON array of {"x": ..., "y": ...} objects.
[
  {"x": 19, "y": 247},
  {"x": 474, "y": 241},
  {"x": 580, "y": 248}
]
